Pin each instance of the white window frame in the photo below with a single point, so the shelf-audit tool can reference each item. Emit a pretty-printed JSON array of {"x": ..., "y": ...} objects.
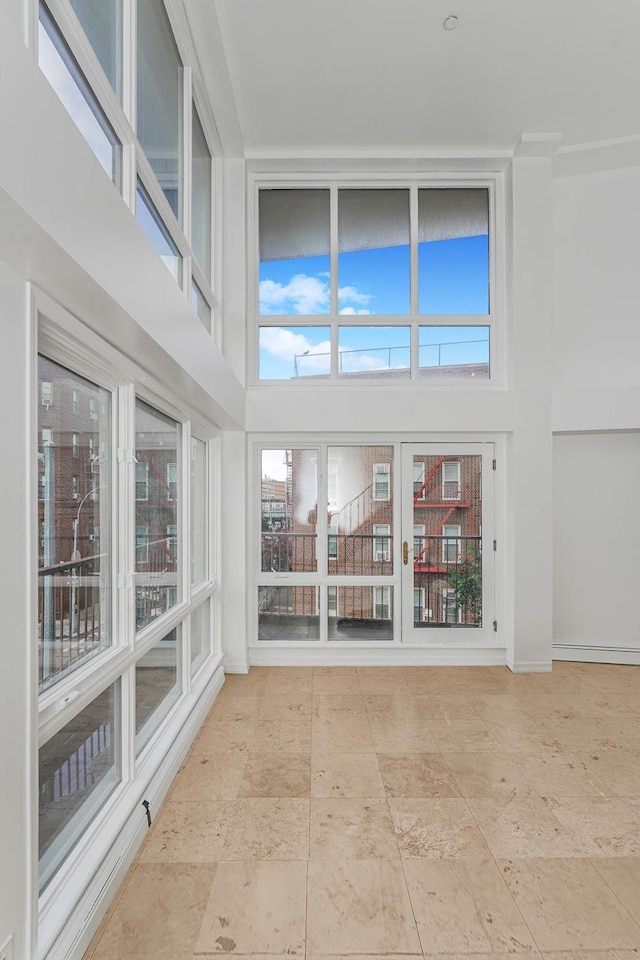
[
  {"x": 494, "y": 320},
  {"x": 447, "y": 466},
  {"x": 381, "y": 470},
  {"x": 451, "y": 543},
  {"x": 381, "y": 542}
]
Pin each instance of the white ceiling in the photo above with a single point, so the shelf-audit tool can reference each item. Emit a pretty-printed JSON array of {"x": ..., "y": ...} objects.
[{"x": 383, "y": 77}]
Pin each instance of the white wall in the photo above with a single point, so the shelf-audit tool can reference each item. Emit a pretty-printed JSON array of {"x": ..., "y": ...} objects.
[
  {"x": 16, "y": 582},
  {"x": 596, "y": 545}
]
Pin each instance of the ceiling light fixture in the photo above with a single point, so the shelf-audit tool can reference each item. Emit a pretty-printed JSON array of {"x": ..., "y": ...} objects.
[{"x": 450, "y": 23}]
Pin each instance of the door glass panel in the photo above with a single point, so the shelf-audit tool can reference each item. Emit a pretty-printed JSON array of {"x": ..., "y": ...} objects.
[
  {"x": 79, "y": 768},
  {"x": 360, "y": 613},
  {"x": 288, "y": 508},
  {"x": 288, "y": 613},
  {"x": 360, "y": 510},
  {"x": 157, "y": 686},
  {"x": 157, "y": 502},
  {"x": 74, "y": 521},
  {"x": 447, "y": 544}
]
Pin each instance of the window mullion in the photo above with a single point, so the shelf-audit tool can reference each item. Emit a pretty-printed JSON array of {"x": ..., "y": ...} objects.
[{"x": 125, "y": 515}]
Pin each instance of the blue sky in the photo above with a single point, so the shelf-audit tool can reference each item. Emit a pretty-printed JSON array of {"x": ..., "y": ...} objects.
[{"x": 452, "y": 280}]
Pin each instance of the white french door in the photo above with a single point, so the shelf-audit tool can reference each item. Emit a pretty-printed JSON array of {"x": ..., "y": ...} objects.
[{"x": 447, "y": 555}]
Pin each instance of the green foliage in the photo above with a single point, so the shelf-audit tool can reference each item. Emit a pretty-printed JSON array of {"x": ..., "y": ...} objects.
[{"x": 465, "y": 578}]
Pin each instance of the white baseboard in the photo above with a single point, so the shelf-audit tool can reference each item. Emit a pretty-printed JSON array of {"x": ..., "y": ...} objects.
[
  {"x": 405, "y": 656},
  {"x": 235, "y": 666},
  {"x": 83, "y": 921},
  {"x": 529, "y": 666},
  {"x": 592, "y": 653}
]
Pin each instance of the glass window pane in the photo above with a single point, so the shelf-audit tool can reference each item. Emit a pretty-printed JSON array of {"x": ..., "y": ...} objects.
[
  {"x": 157, "y": 687},
  {"x": 373, "y": 257},
  {"x": 159, "y": 92},
  {"x": 289, "y": 503},
  {"x": 79, "y": 768},
  {"x": 157, "y": 233},
  {"x": 102, "y": 22},
  {"x": 447, "y": 542},
  {"x": 288, "y": 613},
  {"x": 287, "y": 353},
  {"x": 64, "y": 75},
  {"x": 200, "y": 197},
  {"x": 200, "y": 306},
  {"x": 360, "y": 613},
  {"x": 200, "y": 635},
  {"x": 74, "y": 517},
  {"x": 295, "y": 265},
  {"x": 453, "y": 251},
  {"x": 199, "y": 539},
  {"x": 156, "y": 516},
  {"x": 360, "y": 510},
  {"x": 453, "y": 352},
  {"x": 374, "y": 352}
]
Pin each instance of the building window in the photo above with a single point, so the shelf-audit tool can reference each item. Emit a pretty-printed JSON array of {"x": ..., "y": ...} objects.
[
  {"x": 64, "y": 75},
  {"x": 46, "y": 393},
  {"x": 381, "y": 603},
  {"x": 75, "y": 492},
  {"x": 381, "y": 481},
  {"x": 75, "y": 444},
  {"x": 172, "y": 481},
  {"x": 102, "y": 23},
  {"x": 142, "y": 481},
  {"x": 407, "y": 257},
  {"x": 419, "y": 541},
  {"x": 451, "y": 480},
  {"x": 418, "y": 479},
  {"x": 93, "y": 409},
  {"x": 159, "y": 93},
  {"x": 381, "y": 541},
  {"x": 201, "y": 306},
  {"x": 172, "y": 542},
  {"x": 332, "y": 601},
  {"x": 332, "y": 541},
  {"x": 199, "y": 500},
  {"x": 75, "y": 402},
  {"x": 451, "y": 610},
  {"x": 451, "y": 543},
  {"x": 142, "y": 543}
]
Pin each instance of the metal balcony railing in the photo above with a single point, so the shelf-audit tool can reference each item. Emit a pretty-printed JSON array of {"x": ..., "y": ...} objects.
[{"x": 348, "y": 554}]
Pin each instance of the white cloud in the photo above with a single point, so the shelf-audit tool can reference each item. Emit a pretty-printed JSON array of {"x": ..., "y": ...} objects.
[
  {"x": 352, "y": 295},
  {"x": 296, "y": 348},
  {"x": 352, "y": 312},
  {"x": 303, "y": 295}
]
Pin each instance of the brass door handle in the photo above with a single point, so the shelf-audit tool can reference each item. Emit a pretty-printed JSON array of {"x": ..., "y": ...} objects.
[{"x": 405, "y": 553}]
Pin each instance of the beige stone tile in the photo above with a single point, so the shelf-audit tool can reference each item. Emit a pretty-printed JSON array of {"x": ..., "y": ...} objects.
[
  {"x": 563, "y": 775},
  {"x": 385, "y": 708},
  {"x": 342, "y": 673},
  {"x": 489, "y": 774},
  {"x": 186, "y": 831},
  {"x": 599, "y": 733},
  {"x": 596, "y": 705},
  {"x": 568, "y": 906},
  {"x": 618, "y": 769},
  {"x": 528, "y": 737},
  {"x": 341, "y": 736},
  {"x": 352, "y": 829},
  {"x": 359, "y": 907},
  {"x": 503, "y": 708},
  {"x": 231, "y": 708},
  {"x": 243, "y": 685},
  {"x": 282, "y": 736},
  {"x": 590, "y": 955},
  {"x": 159, "y": 914},
  {"x": 267, "y": 829},
  {"x": 294, "y": 707},
  {"x": 524, "y": 828},
  {"x": 432, "y": 684},
  {"x": 461, "y": 735},
  {"x": 606, "y": 826},
  {"x": 622, "y": 874},
  {"x": 210, "y": 777},
  {"x": 371, "y": 684},
  {"x": 106, "y": 919},
  {"x": 401, "y": 736},
  {"x": 255, "y": 909},
  {"x": 293, "y": 686},
  {"x": 225, "y": 736},
  {"x": 482, "y": 685},
  {"x": 433, "y": 829},
  {"x": 445, "y": 706},
  {"x": 464, "y": 906},
  {"x": 339, "y": 707},
  {"x": 551, "y": 707},
  {"x": 340, "y": 685},
  {"x": 417, "y": 775},
  {"x": 276, "y": 775},
  {"x": 346, "y": 775}
]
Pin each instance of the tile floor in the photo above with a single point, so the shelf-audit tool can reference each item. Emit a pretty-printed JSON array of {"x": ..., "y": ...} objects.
[{"x": 397, "y": 812}]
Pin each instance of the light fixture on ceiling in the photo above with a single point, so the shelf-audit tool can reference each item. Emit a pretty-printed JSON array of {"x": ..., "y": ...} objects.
[{"x": 451, "y": 22}]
